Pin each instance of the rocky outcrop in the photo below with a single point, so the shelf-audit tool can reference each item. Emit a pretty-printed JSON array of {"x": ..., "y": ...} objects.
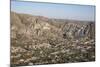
[{"x": 50, "y": 40}]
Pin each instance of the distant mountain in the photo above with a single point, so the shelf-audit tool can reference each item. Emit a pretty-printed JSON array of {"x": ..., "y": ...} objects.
[{"x": 25, "y": 24}]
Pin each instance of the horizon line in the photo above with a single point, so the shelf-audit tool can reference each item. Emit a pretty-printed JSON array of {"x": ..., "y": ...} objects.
[{"x": 52, "y": 17}]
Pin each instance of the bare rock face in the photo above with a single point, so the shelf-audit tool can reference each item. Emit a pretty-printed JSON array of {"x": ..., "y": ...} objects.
[{"x": 40, "y": 40}]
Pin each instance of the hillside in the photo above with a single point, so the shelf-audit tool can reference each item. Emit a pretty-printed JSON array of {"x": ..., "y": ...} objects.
[{"x": 41, "y": 40}]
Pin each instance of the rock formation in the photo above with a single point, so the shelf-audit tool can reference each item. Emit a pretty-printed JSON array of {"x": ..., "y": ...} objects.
[{"x": 40, "y": 40}]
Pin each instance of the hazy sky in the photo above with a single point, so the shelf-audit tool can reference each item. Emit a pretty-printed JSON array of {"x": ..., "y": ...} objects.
[{"x": 61, "y": 11}]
